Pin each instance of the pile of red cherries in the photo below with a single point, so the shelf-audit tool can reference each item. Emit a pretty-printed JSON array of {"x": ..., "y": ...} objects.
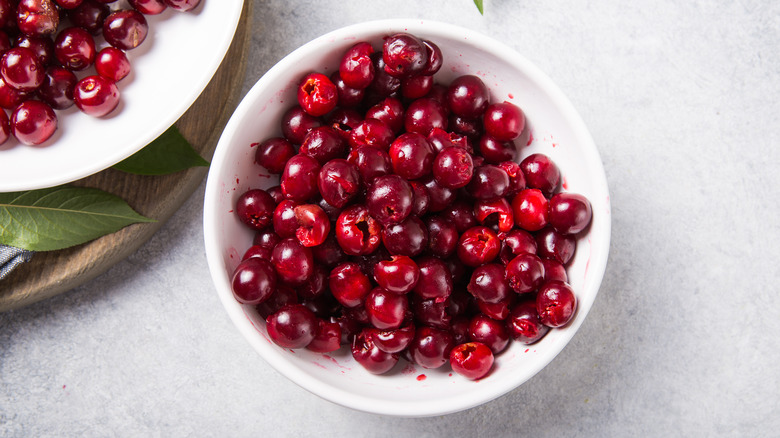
[
  {"x": 404, "y": 225},
  {"x": 45, "y": 43}
]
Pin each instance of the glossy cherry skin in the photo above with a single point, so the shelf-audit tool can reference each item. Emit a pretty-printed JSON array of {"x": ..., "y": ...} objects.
[
  {"x": 392, "y": 340},
  {"x": 317, "y": 94},
  {"x": 96, "y": 96},
  {"x": 404, "y": 55},
  {"x": 416, "y": 87},
  {"x": 423, "y": 115},
  {"x": 488, "y": 182},
  {"x": 390, "y": 111},
  {"x": 397, "y": 275},
  {"x": 253, "y": 281},
  {"x": 74, "y": 48},
  {"x": 389, "y": 199},
  {"x": 495, "y": 212},
  {"x": 255, "y": 208},
  {"x": 313, "y": 224},
  {"x": 293, "y": 262},
  {"x": 112, "y": 63},
  {"x": 477, "y": 246},
  {"x": 347, "y": 96},
  {"x": 323, "y": 144},
  {"x": 570, "y": 213},
  {"x": 421, "y": 200},
  {"x": 531, "y": 210},
  {"x": 496, "y": 151},
  {"x": 371, "y": 132},
  {"x": 10, "y": 98},
  {"x": 498, "y": 311},
  {"x": 89, "y": 15},
  {"x": 411, "y": 155},
  {"x": 442, "y": 236},
  {"x": 490, "y": 332},
  {"x": 125, "y": 29},
  {"x": 367, "y": 354},
  {"x": 440, "y": 197},
  {"x": 384, "y": 84},
  {"x": 453, "y": 168},
  {"x": 467, "y": 96},
  {"x": 292, "y": 326},
  {"x": 148, "y": 7},
  {"x": 435, "y": 281},
  {"x": 357, "y": 232},
  {"x": 524, "y": 324},
  {"x": 266, "y": 239},
  {"x": 386, "y": 310},
  {"x": 356, "y": 68},
  {"x": 554, "y": 270},
  {"x": 525, "y": 273},
  {"x": 409, "y": 238},
  {"x": 516, "y": 242},
  {"x": 21, "y": 69},
  {"x": 284, "y": 221},
  {"x": 489, "y": 284},
  {"x": 461, "y": 214},
  {"x": 283, "y": 296},
  {"x": 296, "y": 123},
  {"x": 33, "y": 122},
  {"x": 504, "y": 121},
  {"x": 431, "y": 347},
  {"x": 57, "y": 88},
  {"x": 299, "y": 178},
  {"x": 554, "y": 245},
  {"x": 327, "y": 338},
  {"x": 43, "y": 47},
  {"x": 472, "y": 360},
  {"x": 541, "y": 173},
  {"x": 329, "y": 253},
  {"x": 182, "y": 5},
  {"x": 5, "y": 127},
  {"x": 349, "y": 285},
  {"x": 516, "y": 177},
  {"x": 339, "y": 182},
  {"x": 556, "y": 303},
  {"x": 37, "y": 17},
  {"x": 432, "y": 312},
  {"x": 273, "y": 154}
]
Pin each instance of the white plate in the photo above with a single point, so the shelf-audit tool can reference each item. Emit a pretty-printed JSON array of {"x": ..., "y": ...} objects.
[{"x": 170, "y": 69}]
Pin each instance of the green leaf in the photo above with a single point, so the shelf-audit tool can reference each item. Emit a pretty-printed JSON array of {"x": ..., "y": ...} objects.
[
  {"x": 168, "y": 153},
  {"x": 60, "y": 217},
  {"x": 479, "y": 6}
]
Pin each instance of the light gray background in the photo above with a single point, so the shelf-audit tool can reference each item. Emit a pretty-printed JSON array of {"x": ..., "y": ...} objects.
[{"x": 681, "y": 98}]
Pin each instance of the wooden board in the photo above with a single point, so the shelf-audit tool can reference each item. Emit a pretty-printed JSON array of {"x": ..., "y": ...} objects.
[{"x": 157, "y": 197}]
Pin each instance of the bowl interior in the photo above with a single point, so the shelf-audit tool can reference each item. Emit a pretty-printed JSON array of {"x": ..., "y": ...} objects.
[{"x": 554, "y": 128}]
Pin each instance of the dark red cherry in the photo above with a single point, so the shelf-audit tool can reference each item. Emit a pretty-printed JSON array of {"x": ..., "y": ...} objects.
[
  {"x": 504, "y": 121},
  {"x": 253, "y": 281},
  {"x": 431, "y": 347},
  {"x": 255, "y": 208},
  {"x": 472, "y": 360},
  {"x": 348, "y": 284},
  {"x": 570, "y": 213},
  {"x": 389, "y": 199},
  {"x": 356, "y": 68},
  {"x": 477, "y": 246},
  {"x": 541, "y": 173},
  {"x": 467, "y": 96},
  {"x": 525, "y": 273},
  {"x": 488, "y": 283},
  {"x": 292, "y": 326},
  {"x": 357, "y": 232},
  {"x": 404, "y": 55},
  {"x": 367, "y": 354},
  {"x": 339, "y": 182},
  {"x": 531, "y": 210},
  {"x": 125, "y": 29},
  {"x": 556, "y": 303},
  {"x": 397, "y": 275},
  {"x": 524, "y": 324},
  {"x": 490, "y": 332},
  {"x": 317, "y": 94},
  {"x": 293, "y": 262},
  {"x": 386, "y": 310},
  {"x": 299, "y": 178},
  {"x": 327, "y": 338}
]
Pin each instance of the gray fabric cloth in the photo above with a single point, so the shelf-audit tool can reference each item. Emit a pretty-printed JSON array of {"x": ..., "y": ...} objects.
[{"x": 11, "y": 257}]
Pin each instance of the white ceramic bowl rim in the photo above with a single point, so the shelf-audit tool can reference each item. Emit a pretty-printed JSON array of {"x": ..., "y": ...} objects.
[{"x": 407, "y": 408}]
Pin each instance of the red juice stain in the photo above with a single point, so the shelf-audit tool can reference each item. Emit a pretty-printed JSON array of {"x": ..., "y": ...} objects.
[
  {"x": 63, "y": 386},
  {"x": 530, "y": 138},
  {"x": 253, "y": 145},
  {"x": 262, "y": 175},
  {"x": 565, "y": 184},
  {"x": 237, "y": 181},
  {"x": 511, "y": 96},
  {"x": 421, "y": 377},
  {"x": 527, "y": 350}
]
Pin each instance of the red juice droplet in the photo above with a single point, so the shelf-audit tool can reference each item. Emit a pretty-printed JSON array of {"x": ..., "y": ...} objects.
[{"x": 421, "y": 377}]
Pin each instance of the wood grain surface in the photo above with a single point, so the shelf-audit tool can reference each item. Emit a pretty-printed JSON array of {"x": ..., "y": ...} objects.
[{"x": 157, "y": 197}]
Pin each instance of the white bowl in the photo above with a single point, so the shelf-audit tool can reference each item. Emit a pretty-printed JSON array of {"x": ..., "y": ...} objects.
[
  {"x": 557, "y": 130},
  {"x": 170, "y": 69}
]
